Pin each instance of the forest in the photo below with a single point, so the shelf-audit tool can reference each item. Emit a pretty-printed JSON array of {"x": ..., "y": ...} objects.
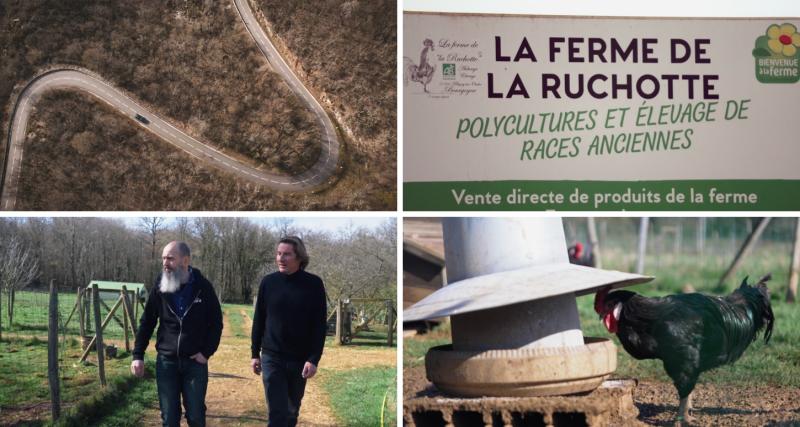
[
  {"x": 347, "y": 49},
  {"x": 192, "y": 62},
  {"x": 233, "y": 253}
]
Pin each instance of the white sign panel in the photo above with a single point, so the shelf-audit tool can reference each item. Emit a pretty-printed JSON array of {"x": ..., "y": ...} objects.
[{"x": 570, "y": 113}]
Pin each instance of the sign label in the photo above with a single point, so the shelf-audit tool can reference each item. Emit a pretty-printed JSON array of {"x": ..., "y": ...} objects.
[{"x": 562, "y": 113}]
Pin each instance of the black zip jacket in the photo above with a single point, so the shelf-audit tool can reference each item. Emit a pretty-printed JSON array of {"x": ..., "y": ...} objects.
[{"x": 199, "y": 330}]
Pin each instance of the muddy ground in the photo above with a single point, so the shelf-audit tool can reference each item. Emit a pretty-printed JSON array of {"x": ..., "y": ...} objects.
[{"x": 715, "y": 405}]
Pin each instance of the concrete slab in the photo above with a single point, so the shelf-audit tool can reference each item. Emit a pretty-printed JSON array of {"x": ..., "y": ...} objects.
[{"x": 609, "y": 404}]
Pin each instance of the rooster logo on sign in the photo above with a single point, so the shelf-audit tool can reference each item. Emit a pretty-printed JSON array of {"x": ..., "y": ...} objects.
[{"x": 422, "y": 73}]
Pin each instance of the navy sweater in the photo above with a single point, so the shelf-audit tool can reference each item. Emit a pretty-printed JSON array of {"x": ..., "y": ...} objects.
[{"x": 290, "y": 317}]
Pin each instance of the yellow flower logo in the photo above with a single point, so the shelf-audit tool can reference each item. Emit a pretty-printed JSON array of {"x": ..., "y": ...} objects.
[{"x": 783, "y": 39}]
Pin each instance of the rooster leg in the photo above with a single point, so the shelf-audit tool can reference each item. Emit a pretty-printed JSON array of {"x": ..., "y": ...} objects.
[{"x": 683, "y": 417}]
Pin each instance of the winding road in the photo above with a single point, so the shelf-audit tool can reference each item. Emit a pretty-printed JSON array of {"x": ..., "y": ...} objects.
[{"x": 77, "y": 79}]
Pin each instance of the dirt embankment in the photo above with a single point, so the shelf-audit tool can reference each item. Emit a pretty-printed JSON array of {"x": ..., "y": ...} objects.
[{"x": 715, "y": 405}]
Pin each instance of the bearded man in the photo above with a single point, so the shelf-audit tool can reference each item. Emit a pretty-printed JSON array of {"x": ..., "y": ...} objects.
[{"x": 189, "y": 318}]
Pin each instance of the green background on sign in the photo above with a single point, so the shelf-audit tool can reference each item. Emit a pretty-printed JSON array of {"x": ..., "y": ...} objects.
[{"x": 777, "y": 195}]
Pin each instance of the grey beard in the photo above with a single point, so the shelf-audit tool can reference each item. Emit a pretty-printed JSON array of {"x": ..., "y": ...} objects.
[{"x": 171, "y": 281}]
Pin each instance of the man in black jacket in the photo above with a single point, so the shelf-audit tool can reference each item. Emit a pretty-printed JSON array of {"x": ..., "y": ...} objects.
[
  {"x": 289, "y": 326},
  {"x": 189, "y": 320}
]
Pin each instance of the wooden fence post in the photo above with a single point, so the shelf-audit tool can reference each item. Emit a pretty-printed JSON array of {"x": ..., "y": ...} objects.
[
  {"x": 52, "y": 353},
  {"x": 338, "y": 340},
  {"x": 119, "y": 322},
  {"x": 390, "y": 321},
  {"x": 98, "y": 330},
  {"x": 594, "y": 242},
  {"x": 125, "y": 320},
  {"x": 81, "y": 315},
  {"x": 794, "y": 270},
  {"x": 130, "y": 320},
  {"x": 81, "y": 325},
  {"x": 87, "y": 307}
]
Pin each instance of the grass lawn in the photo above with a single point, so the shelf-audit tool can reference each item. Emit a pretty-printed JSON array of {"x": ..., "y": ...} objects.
[
  {"x": 236, "y": 320},
  {"x": 361, "y": 397},
  {"x": 24, "y": 384}
]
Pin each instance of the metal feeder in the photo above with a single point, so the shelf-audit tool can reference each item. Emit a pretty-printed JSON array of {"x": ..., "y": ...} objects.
[{"x": 511, "y": 302}]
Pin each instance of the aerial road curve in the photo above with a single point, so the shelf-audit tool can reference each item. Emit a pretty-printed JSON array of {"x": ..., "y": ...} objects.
[{"x": 81, "y": 80}]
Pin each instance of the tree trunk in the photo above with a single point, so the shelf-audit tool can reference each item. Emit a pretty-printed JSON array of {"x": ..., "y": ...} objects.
[
  {"x": 747, "y": 246},
  {"x": 791, "y": 292},
  {"x": 643, "y": 225},
  {"x": 11, "y": 297},
  {"x": 390, "y": 321}
]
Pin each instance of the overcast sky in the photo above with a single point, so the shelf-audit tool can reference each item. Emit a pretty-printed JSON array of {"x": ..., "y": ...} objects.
[{"x": 699, "y": 8}]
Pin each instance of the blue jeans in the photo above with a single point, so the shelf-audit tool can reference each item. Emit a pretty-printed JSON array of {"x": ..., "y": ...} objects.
[
  {"x": 176, "y": 376},
  {"x": 283, "y": 388}
]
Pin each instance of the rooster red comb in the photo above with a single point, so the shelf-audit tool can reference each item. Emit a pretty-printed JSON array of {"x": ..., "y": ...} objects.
[{"x": 600, "y": 299}]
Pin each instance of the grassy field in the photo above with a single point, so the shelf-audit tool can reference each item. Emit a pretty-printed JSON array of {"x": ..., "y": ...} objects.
[
  {"x": 30, "y": 316},
  {"x": 24, "y": 389},
  {"x": 773, "y": 364},
  {"x": 361, "y": 397},
  {"x": 233, "y": 313}
]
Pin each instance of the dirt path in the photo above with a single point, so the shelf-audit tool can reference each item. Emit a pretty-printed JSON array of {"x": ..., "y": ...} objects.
[
  {"x": 717, "y": 405},
  {"x": 720, "y": 405},
  {"x": 236, "y": 396}
]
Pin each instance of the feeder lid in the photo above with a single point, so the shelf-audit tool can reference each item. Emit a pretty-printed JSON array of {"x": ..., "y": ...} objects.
[{"x": 515, "y": 286}]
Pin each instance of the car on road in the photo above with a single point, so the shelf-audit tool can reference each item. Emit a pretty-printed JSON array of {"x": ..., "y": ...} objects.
[{"x": 142, "y": 119}]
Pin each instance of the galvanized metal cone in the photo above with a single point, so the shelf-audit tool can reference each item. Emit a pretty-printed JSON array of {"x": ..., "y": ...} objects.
[{"x": 515, "y": 324}]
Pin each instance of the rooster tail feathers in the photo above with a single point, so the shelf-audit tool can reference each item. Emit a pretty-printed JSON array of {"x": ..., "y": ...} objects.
[
  {"x": 409, "y": 68},
  {"x": 758, "y": 299},
  {"x": 769, "y": 317}
]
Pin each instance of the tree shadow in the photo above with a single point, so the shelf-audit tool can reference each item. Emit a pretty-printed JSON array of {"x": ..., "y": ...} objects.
[
  {"x": 370, "y": 343},
  {"x": 219, "y": 375},
  {"x": 649, "y": 412},
  {"x": 237, "y": 418}
]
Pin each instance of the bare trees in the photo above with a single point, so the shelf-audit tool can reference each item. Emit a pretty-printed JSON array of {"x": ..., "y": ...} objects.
[
  {"x": 18, "y": 268},
  {"x": 152, "y": 226},
  {"x": 234, "y": 253}
]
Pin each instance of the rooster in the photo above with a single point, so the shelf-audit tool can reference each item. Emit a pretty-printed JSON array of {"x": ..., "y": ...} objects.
[
  {"x": 422, "y": 73},
  {"x": 689, "y": 333},
  {"x": 579, "y": 257}
]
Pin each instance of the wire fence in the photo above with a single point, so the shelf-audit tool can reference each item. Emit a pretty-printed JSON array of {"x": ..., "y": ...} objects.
[
  {"x": 25, "y": 395},
  {"x": 696, "y": 251}
]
